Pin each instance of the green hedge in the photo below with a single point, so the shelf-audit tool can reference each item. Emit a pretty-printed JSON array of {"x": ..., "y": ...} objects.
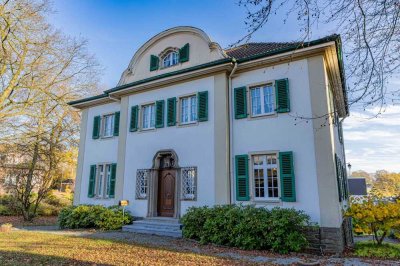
[
  {"x": 93, "y": 216},
  {"x": 247, "y": 227}
]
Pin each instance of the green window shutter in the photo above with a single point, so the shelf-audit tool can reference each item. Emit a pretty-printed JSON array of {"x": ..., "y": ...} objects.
[
  {"x": 116, "y": 123},
  {"x": 345, "y": 184},
  {"x": 154, "y": 62},
  {"x": 202, "y": 106},
  {"x": 92, "y": 181},
  {"x": 240, "y": 98},
  {"x": 288, "y": 182},
  {"x": 134, "y": 118},
  {"x": 184, "y": 53},
  {"x": 111, "y": 192},
  {"x": 242, "y": 177},
  {"x": 96, "y": 127},
  {"x": 171, "y": 109},
  {"x": 282, "y": 95},
  {"x": 339, "y": 182},
  {"x": 340, "y": 131},
  {"x": 160, "y": 114}
]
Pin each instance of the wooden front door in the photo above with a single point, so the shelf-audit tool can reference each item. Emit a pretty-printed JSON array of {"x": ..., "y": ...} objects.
[{"x": 166, "y": 193}]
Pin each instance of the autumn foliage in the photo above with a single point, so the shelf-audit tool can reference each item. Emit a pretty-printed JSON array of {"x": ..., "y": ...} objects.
[{"x": 375, "y": 216}]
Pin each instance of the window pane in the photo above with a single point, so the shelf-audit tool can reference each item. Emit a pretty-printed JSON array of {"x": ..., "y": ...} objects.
[
  {"x": 148, "y": 116},
  {"x": 108, "y": 124},
  {"x": 265, "y": 174},
  {"x": 170, "y": 59},
  {"x": 268, "y": 99},
  {"x": 255, "y": 101},
  {"x": 152, "y": 116},
  {"x": 100, "y": 177},
  {"x": 193, "y": 108},
  {"x": 189, "y": 109},
  {"x": 185, "y": 110},
  {"x": 108, "y": 178}
]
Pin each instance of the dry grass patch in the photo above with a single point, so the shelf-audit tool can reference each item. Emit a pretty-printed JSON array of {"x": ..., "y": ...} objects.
[
  {"x": 22, "y": 248},
  {"x": 19, "y": 220}
]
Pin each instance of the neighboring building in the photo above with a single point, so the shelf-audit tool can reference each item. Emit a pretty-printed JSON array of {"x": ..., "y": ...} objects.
[
  {"x": 357, "y": 186},
  {"x": 191, "y": 124}
]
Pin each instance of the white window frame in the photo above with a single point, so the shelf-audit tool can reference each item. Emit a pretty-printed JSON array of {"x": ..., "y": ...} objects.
[
  {"x": 262, "y": 99},
  {"x": 153, "y": 118},
  {"x": 266, "y": 197},
  {"x": 103, "y": 125},
  {"x": 185, "y": 182},
  {"x": 103, "y": 178},
  {"x": 171, "y": 58},
  {"x": 191, "y": 119}
]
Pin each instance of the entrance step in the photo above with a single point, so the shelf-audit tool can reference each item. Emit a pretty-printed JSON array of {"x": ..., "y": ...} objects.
[{"x": 156, "y": 226}]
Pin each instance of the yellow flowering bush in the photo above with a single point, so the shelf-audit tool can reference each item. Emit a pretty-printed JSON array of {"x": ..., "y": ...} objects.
[{"x": 375, "y": 216}]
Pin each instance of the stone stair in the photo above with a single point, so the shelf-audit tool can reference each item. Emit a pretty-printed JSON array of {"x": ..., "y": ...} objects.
[{"x": 156, "y": 226}]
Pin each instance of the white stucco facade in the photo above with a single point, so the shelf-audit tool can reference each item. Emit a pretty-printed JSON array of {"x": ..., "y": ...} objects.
[
  {"x": 194, "y": 145},
  {"x": 283, "y": 132},
  {"x": 212, "y": 144}
]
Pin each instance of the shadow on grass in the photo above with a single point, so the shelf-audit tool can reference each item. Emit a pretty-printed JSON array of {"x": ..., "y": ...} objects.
[{"x": 23, "y": 258}]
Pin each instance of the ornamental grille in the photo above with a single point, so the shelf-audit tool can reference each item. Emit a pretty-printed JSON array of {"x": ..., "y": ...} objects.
[
  {"x": 189, "y": 183},
  {"x": 142, "y": 181}
]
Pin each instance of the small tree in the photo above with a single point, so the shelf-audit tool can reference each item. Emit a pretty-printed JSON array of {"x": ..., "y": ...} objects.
[{"x": 375, "y": 216}]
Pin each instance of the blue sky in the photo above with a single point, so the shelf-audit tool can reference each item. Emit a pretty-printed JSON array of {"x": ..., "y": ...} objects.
[{"x": 116, "y": 29}]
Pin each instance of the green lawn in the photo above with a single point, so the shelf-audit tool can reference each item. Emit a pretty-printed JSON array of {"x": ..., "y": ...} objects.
[
  {"x": 30, "y": 248},
  {"x": 371, "y": 250}
]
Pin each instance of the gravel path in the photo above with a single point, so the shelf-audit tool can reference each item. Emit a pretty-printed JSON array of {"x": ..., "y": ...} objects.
[{"x": 185, "y": 245}]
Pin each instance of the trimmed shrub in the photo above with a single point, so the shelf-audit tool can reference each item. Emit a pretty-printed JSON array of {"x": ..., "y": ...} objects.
[
  {"x": 93, "y": 216},
  {"x": 247, "y": 227}
]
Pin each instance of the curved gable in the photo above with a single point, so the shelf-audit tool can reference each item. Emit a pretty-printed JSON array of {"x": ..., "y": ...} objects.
[{"x": 201, "y": 50}]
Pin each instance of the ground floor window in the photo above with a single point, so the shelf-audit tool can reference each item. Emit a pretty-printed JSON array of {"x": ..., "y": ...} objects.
[
  {"x": 265, "y": 176},
  {"x": 103, "y": 180},
  {"x": 142, "y": 180},
  {"x": 189, "y": 183}
]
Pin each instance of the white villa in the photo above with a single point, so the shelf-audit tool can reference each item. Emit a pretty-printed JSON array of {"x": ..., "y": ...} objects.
[{"x": 191, "y": 124}]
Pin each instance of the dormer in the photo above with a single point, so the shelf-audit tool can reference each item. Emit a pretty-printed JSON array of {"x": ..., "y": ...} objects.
[{"x": 171, "y": 50}]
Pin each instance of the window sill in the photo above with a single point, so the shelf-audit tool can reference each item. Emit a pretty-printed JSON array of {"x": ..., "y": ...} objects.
[
  {"x": 147, "y": 129},
  {"x": 107, "y": 137},
  {"x": 188, "y": 124},
  {"x": 262, "y": 116},
  {"x": 266, "y": 201},
  {"x": 102, "y": 198}
]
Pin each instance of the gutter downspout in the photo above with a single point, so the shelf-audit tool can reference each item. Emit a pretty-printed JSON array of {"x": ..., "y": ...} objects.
[{"x": 230, "y": 124}]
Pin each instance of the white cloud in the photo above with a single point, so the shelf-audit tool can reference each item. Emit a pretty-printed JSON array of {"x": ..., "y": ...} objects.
[{"x": 373, "y": 143}]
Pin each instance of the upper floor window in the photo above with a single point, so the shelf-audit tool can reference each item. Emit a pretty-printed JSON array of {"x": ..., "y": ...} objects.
[
  {"x": 170, "y": 59},
  {"x": 148, "y": 116},
  {"x": 108, "y": 125},
  {"x": 265, "y": 174},
  {"x": 188, "y": 109},
  {"x": 262, "y": 100}
]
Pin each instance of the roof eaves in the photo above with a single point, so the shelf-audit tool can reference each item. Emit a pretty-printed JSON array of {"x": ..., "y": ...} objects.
[
  {"x": 88, "y": 99},
  {"x": 169, "y": 74}
]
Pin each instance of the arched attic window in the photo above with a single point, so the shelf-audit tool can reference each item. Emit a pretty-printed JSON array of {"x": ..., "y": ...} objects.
[{"x": 169, "y": 57}]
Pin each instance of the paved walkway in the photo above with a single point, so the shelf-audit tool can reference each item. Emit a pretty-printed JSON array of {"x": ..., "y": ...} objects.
[{"x": 185, "y": 245}]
